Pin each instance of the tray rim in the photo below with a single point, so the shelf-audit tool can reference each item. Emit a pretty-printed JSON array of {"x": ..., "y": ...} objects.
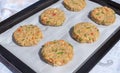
[{"x": 88, "y": 65}]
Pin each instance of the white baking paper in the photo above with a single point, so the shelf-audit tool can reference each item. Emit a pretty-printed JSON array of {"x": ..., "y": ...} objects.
[
  {"x": 30, "y": 55},
  {"x": 117, "y": 1}
]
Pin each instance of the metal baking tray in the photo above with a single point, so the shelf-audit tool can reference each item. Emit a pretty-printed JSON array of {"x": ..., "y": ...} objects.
[{"x": 21, "y": 67}]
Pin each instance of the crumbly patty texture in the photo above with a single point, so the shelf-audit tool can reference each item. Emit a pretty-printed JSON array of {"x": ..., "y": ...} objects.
[
  {"x": 27, "y": 35},
  {"x": 85, "y": 32},
  {"x": 53, "y": 17},
  {"x": 103, "y": 15},
  {"x": 57, "y": 53},
  {"x": 74, "y": 5}
]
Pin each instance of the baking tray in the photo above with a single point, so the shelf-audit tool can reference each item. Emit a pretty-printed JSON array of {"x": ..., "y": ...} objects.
[{"x": 86, "y": 67}]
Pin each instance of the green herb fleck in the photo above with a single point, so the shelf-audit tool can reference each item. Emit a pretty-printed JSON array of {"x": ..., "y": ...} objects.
[
  {"x": 54, "y": 50},
  {"x": 78, "y": 31},
  {"x": 60, "y": 52},
  {"x": 54, "y": 41},
  {"x": 89, "y": 38},
  {"x": 48, "y": 22},
  {"x": 23, "y": 39},
  {"x": 97, "y": 13},
  {"x": 80, "y": 39},
  {"x": 103, "y": 21},
  {"x": 85, "y": 35},
  {"x": 102, "y": 12},
  {"x": 70, "y": 45},
  {"x": 88, "y": 27}
]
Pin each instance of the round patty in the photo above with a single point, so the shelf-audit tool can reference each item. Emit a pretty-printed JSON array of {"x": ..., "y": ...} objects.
[
  {"x": 57, "y": 53},
  {"x": 85, "y": 32},
  {"x": 27, "y": 35},
  {"x": 74, "y": 5},
  {"x": 103, "y": 15},
  {"x": 53, "y": 17}
]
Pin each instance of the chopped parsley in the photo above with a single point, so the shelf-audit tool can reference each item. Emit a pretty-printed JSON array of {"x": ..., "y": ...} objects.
[{"x": 60, "y": 52}]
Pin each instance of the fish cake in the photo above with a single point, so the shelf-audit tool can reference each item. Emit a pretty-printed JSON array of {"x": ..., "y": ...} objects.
[
  {"x": 85, "y": 32},
  {"x": 57, "y": 53},
  {"x": 74, "y": 5},
  {"x": 103, "y": 15},
  {"x": 52, "y": 17},
  {"x": 27, "y": 35}
]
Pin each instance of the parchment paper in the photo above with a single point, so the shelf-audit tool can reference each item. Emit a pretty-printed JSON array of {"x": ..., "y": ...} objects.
[
  {"x": 117, "y": 1},
  {"x": 30, "y": 55}
]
